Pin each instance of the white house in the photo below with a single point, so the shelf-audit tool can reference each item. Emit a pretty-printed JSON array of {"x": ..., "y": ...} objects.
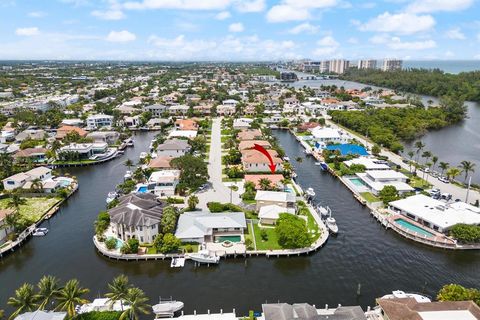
[
  {"x": 282, "y": 199},
  {"x": 376, "y": 180},
  {"x": 98, "y": 121},
  {"x": 269, "y": 214},
  {"x": 368, "y": 163},
  {"x": 173, "y": 148},
  {"x": 157, "y": 110},
  {"x": 164, "y": 182},
  {"x": 242, "y": 123},
  {"x": 325, "y": 135},
  {"x": 24, "y": 180}
]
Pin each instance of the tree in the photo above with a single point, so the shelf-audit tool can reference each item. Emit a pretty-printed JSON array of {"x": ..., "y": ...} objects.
[
  {"x": 467, "y": 167},
  {"x": 376, "y": 149},
  {"x": 192, "y": 202},
  {"x": 16, "y": 201},
  {"x": 24, "y": 300},
  {"x": 419, "y": 147},
  {"x": 434, "y": 161},
  {"x": 130, "y": 246},
  {"x": 48, "y": 290},
  {"x": 128, "y": 163},
  {"x": 265, "y": 184},
  {"x": 37, "y": 185},
  {"x": 388, "y": 194},
  {"x": 70, "y": 296},
  {"x": 194, "y": 171},
  {"x": 137, "y": 301},
  {"x": 465, "y": 233},
  {"x": 455, "y": 292},
  {"x": 444, "y": 166},
  {"x": 410, "y": 155},
  {"x": 292, "y": 232},
  {"x": 169, "y": 220},
  {"x": 453, "y": 172},
  {"x": 169, "y": 243},
  {"x": 118, "y": 290},
  {"x": 102, "y": 223}
]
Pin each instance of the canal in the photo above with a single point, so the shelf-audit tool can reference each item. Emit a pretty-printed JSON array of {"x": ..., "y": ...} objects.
[{"x": 363, "y": 252}]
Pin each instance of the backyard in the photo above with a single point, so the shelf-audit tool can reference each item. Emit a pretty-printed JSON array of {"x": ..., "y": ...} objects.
[{"x": 34, "y": 208}]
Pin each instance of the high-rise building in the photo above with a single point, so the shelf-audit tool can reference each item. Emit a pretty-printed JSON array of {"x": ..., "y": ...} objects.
[
  {"x": 391, "y": 64},
  {"x": 367, "y": 64},
  {"x": 338, "y": 66}
]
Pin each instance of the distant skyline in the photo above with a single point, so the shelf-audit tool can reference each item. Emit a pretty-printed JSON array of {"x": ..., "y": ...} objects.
[{"x": 239, "y": 30}]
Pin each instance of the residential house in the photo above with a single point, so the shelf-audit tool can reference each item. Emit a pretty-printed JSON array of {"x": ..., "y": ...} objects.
[
  {"x": 249, "y": 134},
  {"x": 173, "y": 148},
  {"x": 204, "y": 227},
  {"x": 250, "y": 144},
  {"x": 31, "y": 134},
  {"x": 64, "y": 130},
  {"x": 242, "y": 123},
  {"x": 275, "y": 180},
  {"x": 225, "y": 110},
  {"x": 157, "y": 110},
  {"x": 160, "y": 163},
  {"x": 282, "y": 199},
  {"x": 36, "y": 155},
  {"x": 137, "y": 216},
  {"x": 109, "y": 137},
  {"x": 255, "y": 161},
  {"x": 324, "y": 135},
  {"x": 98, "y": 121},
  {"x": 368, "y": 163},
  {"x": 178, "y": 109},
  {"x": 24, "y": 180},
  {"x": 164, "y": 182},
  {"x": 188, "y": 134},
  {"x": 42, "y": 315},
  {"x": 203, "y": 109},
  {"x": 186, "y": 124},
  {"x": 132, "y": 122},
  {"x": 85, "y": 151},
  {"x": 376, "y": 180},
  {"x": 304, "y": 311},
  {"x": 5, "y": 229},
  {"x": 230, "y": 102}
]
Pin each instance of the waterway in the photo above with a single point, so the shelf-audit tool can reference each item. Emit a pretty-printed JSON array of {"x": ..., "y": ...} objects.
[{"x": 364, "y": 252}]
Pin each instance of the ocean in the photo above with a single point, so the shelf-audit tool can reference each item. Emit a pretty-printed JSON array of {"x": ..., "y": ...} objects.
[{"x": 450, "y": 66}]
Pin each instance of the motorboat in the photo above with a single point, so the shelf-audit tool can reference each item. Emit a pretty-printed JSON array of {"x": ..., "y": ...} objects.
[
  {"x": 167, "y": 308},
  {"x": 128, "y": 175},
  {"x": 129, "y": 142},
  {"x": 398, "y": 294},
  {"x": 324, "y": 212},
  {"x": 318, "y": 164},
  {"x": 310, "y": 193},
  {"x": 101, "y": 305},
  {"x": 143, "y": 155},
  {"x": 286, "y": 159},
  {"x": 40, "y": 232},
  {"x": 204, "y": 256},
  {"x": 177, "y": 263},
  {"x": 111, "y": 196},
  {"x": 323, "y": 166},
  {"x": 331, "y": 225}
]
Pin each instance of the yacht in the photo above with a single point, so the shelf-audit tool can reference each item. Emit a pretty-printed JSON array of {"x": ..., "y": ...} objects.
[
  {"x": 40, "y": 232},
  {"x": 324, "y": 211},
  {"x": 164, "y": 309},
  {"x": 101, "y": 305},
  {"x": 143, "y": 155},
  {"x": 128, "y": 175},
  {"x": 310, "y": 193},
  {"x": 318, "y": 164},
  {"x": 204, "y": 256},
  {"x": 397, "y": 294},
  {"x": 323, "y": 166},
  {"x": 111, "y": 196},
  {"x": 129, "y": 142},
  {"x": 332, "y": 224}
]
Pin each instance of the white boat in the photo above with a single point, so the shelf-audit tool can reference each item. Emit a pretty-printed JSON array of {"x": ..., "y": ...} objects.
[
  {"x": 40, "y": 232},
  {"x": 111, "y": 196},
  {"x": 102, "y": 304},
  {"x": 204, "y": 256},
  {"x": 310, "y": 193},
  {"x": 324, "y": 211},
  {"x": 177, "y": 263},
  {"x": 286, "y": 158},
  {"x": 318, "y": 163},
  {"x": 167, "y": 308},
  {"x": 128, "y": 175},
  {"x": 398, "y": 294},
  {"x": 331, "y": 224}
]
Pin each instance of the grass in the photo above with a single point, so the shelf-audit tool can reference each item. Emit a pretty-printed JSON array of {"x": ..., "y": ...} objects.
[
  {"x": 271, "y": 243},
  {"x": 418, "y": 182},
  {"x": 34, "y": 208},
  {"x": 369, "y": 197},
  {"x": 311, "y": 223}
]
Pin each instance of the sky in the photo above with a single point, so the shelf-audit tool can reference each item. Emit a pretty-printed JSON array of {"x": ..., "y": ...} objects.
[{"x": 239, "y": 30}]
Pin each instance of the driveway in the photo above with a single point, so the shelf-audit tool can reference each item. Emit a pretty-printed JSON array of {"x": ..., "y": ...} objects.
[{"x": 217, "y": 191}]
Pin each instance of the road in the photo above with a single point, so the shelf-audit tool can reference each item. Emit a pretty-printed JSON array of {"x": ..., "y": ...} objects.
[
  {"x": 218, "y": 191},
  {"x": 456, "y": 191}
]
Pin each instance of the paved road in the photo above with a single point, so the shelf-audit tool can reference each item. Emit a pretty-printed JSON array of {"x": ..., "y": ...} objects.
[
  {"x": 218, "y": 191},
  {"x": 456, "y": 191}
]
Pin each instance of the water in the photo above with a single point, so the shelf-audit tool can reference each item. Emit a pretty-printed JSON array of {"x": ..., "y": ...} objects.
[
  {"x": 449, "y": 66},
  {"x": 414, "y": 228},
  {"x": 364, "y": 252}
]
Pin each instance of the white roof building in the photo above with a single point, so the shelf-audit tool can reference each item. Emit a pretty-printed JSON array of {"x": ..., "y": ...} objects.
[
  {"x": 376, "y": 180},
  {"x": 369, "y": 163},
  {"x": 190, "y": 134}
]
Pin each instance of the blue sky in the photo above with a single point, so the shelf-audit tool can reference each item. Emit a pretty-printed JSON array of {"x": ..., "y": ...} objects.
[{"x": 239, "y": 29}]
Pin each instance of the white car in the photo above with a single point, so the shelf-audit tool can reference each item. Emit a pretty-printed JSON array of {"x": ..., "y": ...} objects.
[{"x": 443, "y": 179}]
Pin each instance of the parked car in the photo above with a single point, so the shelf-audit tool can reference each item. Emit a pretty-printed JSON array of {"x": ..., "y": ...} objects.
[{"x": 443, "y": 179}]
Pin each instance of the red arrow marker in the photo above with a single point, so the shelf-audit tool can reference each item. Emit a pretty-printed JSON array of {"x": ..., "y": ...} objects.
[{"x": 272, "y": 166}]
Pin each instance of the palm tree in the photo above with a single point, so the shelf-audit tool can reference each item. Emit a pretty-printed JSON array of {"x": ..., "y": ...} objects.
[
  {"x": 192, "y": 202},
  {"x": 118, "y": 289},
  {"x": 16, "y": 201},
  {"x": 2, "y": 314},
  {"x": 37, "y": 185},
  {"x": 129, "y": 163},
  {"x": 427, "y": 155},
  {"x": 71, "y": 295},
  {"x": 410, "y": 155},
  {"x": 265, "y": 184},
  {"x": 453, "y": 172},
  {"x": 434, "y": 161},
  {"x": 137, "y": 301},
  {"x": 47, "y": 291},
  {"x": 24, "y": 300},
  {"x": 419, "y": 146},
  {"x": 467, "y": 167},
  {"x": 444, "y": 166}
]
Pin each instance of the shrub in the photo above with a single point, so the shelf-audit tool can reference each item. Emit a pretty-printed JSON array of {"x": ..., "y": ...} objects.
[
  {"x": 130, "y": 246},
  {"x": 99, "y": 315},
  {"x": 465, "y": 233},
  {"x": 264, "y": 235},
  {"x": 292, "y": 232},
  {"x": 249, "y": 244},
  {"x": 111, "y": 243},
  {"x": 222, "y": 207}
]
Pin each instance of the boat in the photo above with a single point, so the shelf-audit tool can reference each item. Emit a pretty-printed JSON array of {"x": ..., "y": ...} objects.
[
  {"x": 143, "y": 155},
  {"x": 318, "y": 164},
  {"x": 111, "y": 196},
  {"x": 128, "y": 175},
  {"x": 120, "y": 152},
  {"x": 331, "y": 224},
  {"x": 167, "y": 308},
  {"x": 40, "y": 232},
  {"x": 324, "y": 211},
  {"x": 101, "y": 305},
  {"x": 129, "y": 142},
  {"x": 310, "y": 193},
  {"x": 398, "y": 294},
  {"x": 177, "y": 263},
  {"x": 204, "y": 256},
  {"x": 324, "y": 166},
  {"x": 286, "y": 159}
]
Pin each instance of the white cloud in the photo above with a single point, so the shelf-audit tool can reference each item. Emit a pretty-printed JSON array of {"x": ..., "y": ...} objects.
[
  {"x": 402, "y": 23},
  {"x": 121, "y": 36},
  {"x": 223, "y": 15},
  {"x": 311, "y": 4},
  {"x": 396, "y": 43},
  {"x": 477, "y": 57},
  {"x": 236, "y": 27},
  {"x": 324, "y": 52},
  {"x": 27, "y": 32},
  {"x": 37, "y": 14},
  {"x": 353, "y": 40},
  {"x": 328, "y": 41},
  {"x": 326, "y": 47},
  {"x": 455, "y": 33},
  {"x": 449, "y": 54},
  {"x": 426, "y": 6},
  {"x": 304, "y": 28},
  {"x": 250, "y": 5},
  {"x": 109, "y": 14},
  {"x": 282, "y": 13},
  {"x": 178, "y": 4}
]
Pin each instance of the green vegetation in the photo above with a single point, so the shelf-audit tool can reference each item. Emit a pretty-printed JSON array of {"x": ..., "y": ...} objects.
[
  {"x": 387, "y": 127},
  {"x": 97, "y": 315},
  {"x": 466, "y": 233},
  {"x": 169, "y": 219},
  {"x": 455, "y": 292},
  {"x": 292, "y": 232},
  {"x": 369, "y": 197},
  {"x": 223, "y": 207},
  {"x": 388, "y": 194},
  {"x": 130, "y": 246},
  {"x": 421, "y": 81},
  {"x": 194, "y": 171},
  {"x": 268, "y": 242},
  {"x": 166, "y": 243},
  {"x": 102, "y": 223}
]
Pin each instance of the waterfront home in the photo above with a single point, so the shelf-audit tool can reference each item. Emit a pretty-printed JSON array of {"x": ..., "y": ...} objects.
[
  {"x": 160, "y": 163},
  {"x": 64, "y": 130},
  {"x": 15, "y": 181},
  {"x": 179, "y": 109},
  {"x": 156, "y": 123},
  {"x": 282, "y": 199},
  {"x": 109, "y": 137},
  {"x": 376, "y": 180},
  {"x": 36, "y": 155},
  {"x": 157, "y": 110},
  {"x": 201, "y": 227},
  {"x": 173, "y": 148},
  {"x": 189, "y": 134},
  {"x": 137, "y": 216},
  {"x": 98, "y": 121},
  {"x": 225, "y": 110},
  {"x": 250, "y": 144},
  {"x": 255, "y": 161},
  {"x": 305, "y": 311},
  {"x": 409, "y": 308},
  {"x": 249, "y": 134},
  {"x": 31, "y": 134},
  {"x": 325, "y": 135},
  {"x": 242, "y": 123},
  {"x": 132, "y": 122},
  {"x": 42, "y": 315},
  {"x": 268, "y": 215},
  {"x": 436, "y": 214},
  {"x": 346, "y": 149},
  {"x": 368, "y": 163},
  {"x": 186, "y": 124},
  {"x": 275, "y": 180},
  {"x": 164, "y": 182},
  {"x": 84, "y": 151},
  {"x": 5, "y": 229},
  {"x": 25, "y": 180}
]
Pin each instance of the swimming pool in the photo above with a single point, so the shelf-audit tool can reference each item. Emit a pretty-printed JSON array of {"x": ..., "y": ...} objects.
[
  {"x": 229, "y": 238},
  {"x": 142, "y": 189},
  {"x": 348, "y": 149},
  {"x": 413, "y": 228},
  {"x": 357, "y": 182},
  {"x": 119, "y": 243}
]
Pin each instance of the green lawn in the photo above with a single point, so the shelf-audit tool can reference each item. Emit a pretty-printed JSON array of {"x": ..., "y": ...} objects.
[
  {"x": 311, "y": 223},
  {"x": 34, "y": 208},
  {"x": 369, "y": 197},
  {"x": 271, "y": 243}
]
